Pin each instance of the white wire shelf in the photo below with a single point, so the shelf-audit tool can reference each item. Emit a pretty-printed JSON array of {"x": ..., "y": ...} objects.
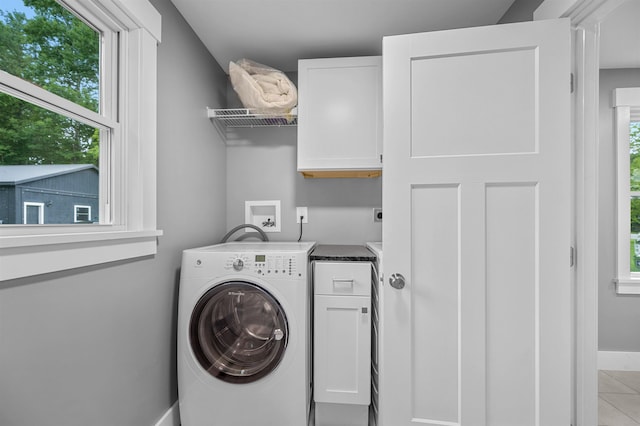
[{"x": 241, "y": 117}]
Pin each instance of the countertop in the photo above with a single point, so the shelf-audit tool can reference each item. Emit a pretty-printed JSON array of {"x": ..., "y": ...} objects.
[{"x": 342, "y": 253}]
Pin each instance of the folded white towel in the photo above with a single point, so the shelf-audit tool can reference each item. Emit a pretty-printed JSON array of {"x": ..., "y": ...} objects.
[{"x": 262, "y": 88}]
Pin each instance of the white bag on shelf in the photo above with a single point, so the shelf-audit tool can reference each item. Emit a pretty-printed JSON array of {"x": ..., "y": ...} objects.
[{"x": 262, "y": 88}]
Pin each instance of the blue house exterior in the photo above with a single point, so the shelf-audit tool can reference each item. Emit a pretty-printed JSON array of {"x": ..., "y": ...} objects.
[{"x": 49, "y": 194}]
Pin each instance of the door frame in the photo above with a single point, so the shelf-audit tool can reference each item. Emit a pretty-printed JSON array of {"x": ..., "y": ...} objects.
[
  {"x": 585, "y": 16},
  {"x": 25, "y": 209}
]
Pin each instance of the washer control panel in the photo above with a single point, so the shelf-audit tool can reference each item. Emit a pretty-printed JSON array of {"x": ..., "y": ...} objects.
[{"x": 265, "y": 264}]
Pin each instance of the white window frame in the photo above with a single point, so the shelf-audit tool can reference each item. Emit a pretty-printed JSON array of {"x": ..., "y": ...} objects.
[
  {"x": 128, "y": 190},
  {"x": 28, "y": 204},
  {"x": 626, "y": 102},
  {"x": 75, "y": 213}
]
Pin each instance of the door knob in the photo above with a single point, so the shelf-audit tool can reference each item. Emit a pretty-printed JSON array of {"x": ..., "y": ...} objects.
[{"x": 397, "y": 281}]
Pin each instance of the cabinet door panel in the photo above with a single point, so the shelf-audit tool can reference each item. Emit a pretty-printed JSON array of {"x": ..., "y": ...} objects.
[
  {"x": 342, "y": 347},
  {"x": 339, "y": 110}
]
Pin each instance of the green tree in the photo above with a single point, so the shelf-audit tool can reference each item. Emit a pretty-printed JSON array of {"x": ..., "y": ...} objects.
[
  {"x": 58, "y": 52},
  {"x": 634, "y": 155},
  {"x": 634, "y": 152}
]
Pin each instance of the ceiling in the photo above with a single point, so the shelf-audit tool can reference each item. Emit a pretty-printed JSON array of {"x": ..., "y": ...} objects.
[{"x": 279, "y": 32}]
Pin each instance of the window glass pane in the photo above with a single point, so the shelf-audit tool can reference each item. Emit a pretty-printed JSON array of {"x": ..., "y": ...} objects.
[
  {"x": 634, "y": 183},
  {"x": 46, "y": 158},
  {"x": 634, "y": 254},
  {"x": 42, "y": 42},
  {"x": 634, "y": 155}
]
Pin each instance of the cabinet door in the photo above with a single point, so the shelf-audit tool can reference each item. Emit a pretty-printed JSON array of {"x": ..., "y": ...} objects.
[
  {"x": 342, "y": 349},
  {"x": 340, "y": 113}
]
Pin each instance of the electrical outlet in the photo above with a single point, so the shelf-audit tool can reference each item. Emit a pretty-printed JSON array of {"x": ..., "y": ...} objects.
[
  {"x": 377, "y": 215},
  {"x": 302, "y": 211}
]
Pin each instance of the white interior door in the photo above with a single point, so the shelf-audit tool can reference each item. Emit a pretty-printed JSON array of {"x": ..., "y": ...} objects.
[{"x": 476, "y": 195}]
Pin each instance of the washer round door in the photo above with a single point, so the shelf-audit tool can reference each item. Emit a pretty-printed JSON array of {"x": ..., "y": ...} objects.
[{"x": 238, "y": 332}]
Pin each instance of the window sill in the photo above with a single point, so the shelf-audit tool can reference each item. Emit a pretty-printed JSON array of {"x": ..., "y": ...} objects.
[
  {"x": 627, "y": 286},
  {"x": 23, "y": 256}
]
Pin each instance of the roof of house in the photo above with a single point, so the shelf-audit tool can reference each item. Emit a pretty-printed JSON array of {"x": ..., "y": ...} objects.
[{"x": 14, "y": 175}]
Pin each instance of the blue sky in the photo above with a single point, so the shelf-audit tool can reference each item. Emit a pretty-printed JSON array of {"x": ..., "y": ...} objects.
[{"x": 11, "y": 5}]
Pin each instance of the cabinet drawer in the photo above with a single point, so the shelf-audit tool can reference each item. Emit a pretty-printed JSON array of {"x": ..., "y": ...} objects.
[{"x": 342, "y": 278}]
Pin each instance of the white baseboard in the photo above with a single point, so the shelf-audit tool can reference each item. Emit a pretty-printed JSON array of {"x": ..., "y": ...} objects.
[
  {"x": 171, "y": 417},
  {"x": 622, "y": 361}
]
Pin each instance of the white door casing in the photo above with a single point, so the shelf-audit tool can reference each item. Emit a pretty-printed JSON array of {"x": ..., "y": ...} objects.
[
  {"x": 33, "y": 213},
  {"x": 476, "y": 194}
]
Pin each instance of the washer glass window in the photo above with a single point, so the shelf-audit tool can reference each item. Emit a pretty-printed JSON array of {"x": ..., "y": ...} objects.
[{"x": 238, "y": 332}]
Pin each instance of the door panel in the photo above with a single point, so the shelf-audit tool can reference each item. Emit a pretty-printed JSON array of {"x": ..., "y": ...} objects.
[
  {"x": 33, "y": 213},
  {"x": 508, "y": 80},
  {"x": 476, "y": 199},
  {"x": 434, "y": 314},
  {"x": 511, "y": 303}
]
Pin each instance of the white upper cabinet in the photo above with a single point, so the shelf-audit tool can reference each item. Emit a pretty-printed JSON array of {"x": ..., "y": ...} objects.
[{"x": 340, "y": 117}]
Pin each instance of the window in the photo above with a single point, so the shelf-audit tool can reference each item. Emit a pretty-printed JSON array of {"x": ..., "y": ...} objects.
[
  {"x": 627, "y": 113},
  {"x": 82, "y": 214},
  {"x": 97, "y": 112}
]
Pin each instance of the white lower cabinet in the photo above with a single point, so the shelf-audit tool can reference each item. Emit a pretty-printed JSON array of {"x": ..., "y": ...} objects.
[{"x": 342, "y": 342}]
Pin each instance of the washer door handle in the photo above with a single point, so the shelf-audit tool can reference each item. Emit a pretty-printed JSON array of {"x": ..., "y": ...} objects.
[{"x": 278, "y": 334}]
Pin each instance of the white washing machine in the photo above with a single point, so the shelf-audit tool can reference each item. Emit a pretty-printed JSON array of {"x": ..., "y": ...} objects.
[{"x": 244, "y": 349}]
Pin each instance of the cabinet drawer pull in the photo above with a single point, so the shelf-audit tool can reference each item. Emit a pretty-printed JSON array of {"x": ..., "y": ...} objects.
[{"x": 342, "y": 283}]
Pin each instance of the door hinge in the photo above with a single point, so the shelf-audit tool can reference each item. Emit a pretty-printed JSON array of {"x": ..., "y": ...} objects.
[
  {"x": 381, "y": 158},
  {"x": 572, "y": 80},
  {"x": 572, "y": 257}
]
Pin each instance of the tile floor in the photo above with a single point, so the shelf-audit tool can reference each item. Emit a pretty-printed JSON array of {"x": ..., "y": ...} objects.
[{"x": 619, "y": 398}]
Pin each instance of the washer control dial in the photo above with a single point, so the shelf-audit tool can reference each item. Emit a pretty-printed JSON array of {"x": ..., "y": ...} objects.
[{"x": 238, "y": 264}]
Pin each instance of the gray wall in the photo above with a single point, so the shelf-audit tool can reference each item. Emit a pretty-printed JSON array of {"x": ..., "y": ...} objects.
[
  {"x": 7, "y": 204},
  {"x": 520, "y": 11},
  {"x": 263, "y": 167},
  {"x": 96, "y": 346},
  {"x": 262, "y": 164},
  {"x": 619, "y": 315}
]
